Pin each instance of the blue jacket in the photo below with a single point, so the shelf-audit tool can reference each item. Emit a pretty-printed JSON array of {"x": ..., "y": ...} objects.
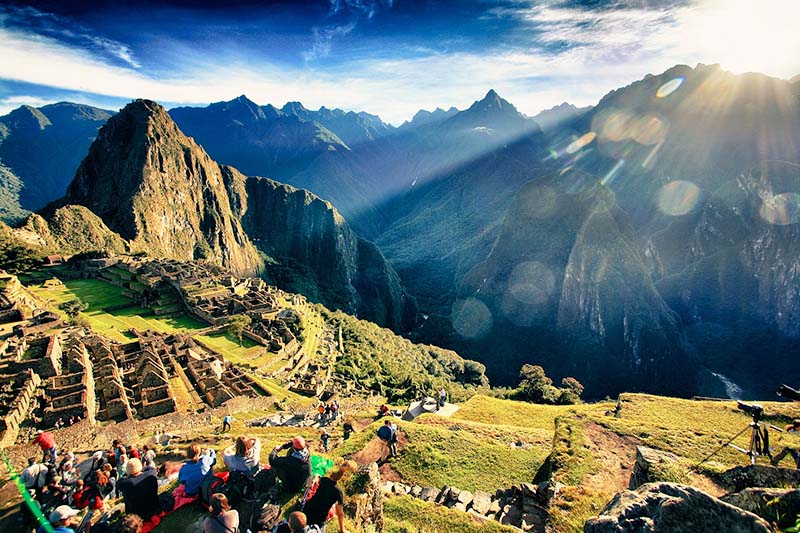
[{"x": 192, "y": 473}]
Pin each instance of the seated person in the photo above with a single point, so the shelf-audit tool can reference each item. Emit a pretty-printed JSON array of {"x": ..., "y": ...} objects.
[
  {"x": 62, "y": 519},
  {"x": 140, "y": 490},
  {"x": 243, "y": 456},
  {"x": 222, "y": 519},
  {"x": 293, "y": 469},
  {"x": 196, "y": 467}
]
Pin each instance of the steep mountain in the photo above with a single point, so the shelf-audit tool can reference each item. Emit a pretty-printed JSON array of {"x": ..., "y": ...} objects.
[
  {"x": 160, "y": 191},
  {"x": 257, "y": 140},
  {"x": 69, "y": 230},
  {"x": 10, "y": 187},
  {"x": 313, "y": 251},
  {"x": 43, "y": 147},
  {"x": 550, "y": 119},
  {"x": 351, "y": 127}
]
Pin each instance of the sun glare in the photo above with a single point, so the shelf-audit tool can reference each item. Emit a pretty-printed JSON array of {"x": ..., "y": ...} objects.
[{"x": 745, "y": 35}]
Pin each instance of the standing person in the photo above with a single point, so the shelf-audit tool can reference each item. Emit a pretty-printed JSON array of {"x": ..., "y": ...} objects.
[
  {"x": 62, "y": 519},
  {"x": 348, "y": 429},
  {"x": 324, "y": 437},
  {"x": 329, "y": 496},
  {"x": 243, "y": 456},
  {"x": 47, "y": 442},
  {"x": 226, "y": 423},
  {"x": 34, "y": 476},
  {"x": 294, "y": 469},
  {"x": 321, "y": 411},
  {"x": 222, "y": 519},
  {"x": 140, "y": 490},
  {"x": 442, "y": 398},
  {"x": 388, "y": 436},
  {"x": 196, "y": 467}
]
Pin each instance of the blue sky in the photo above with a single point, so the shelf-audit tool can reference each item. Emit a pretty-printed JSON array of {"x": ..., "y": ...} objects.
[{"x": 389, "y": 57}]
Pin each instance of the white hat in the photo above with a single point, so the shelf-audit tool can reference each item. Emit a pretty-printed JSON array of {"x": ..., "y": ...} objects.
[
  {"x": 39, "y": 431},
  {"x": 62, "y": 512},
  {"x": 98, "y": 455}
]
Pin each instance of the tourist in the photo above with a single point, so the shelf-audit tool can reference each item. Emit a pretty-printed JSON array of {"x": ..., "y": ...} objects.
[
  {"x": 321, "y": 412},
  {"x": 111, "y": 473},
  {"x": 329, "y": 497},
  {"x": 348, "y": 428},
  {"x": 197, "y": 466},
  {"x": 140, "y": 490},
  {"x": 122, "y": 464},
  {"x": 59, "y": 423},
  {"x": 294, "y": 468},
  {"x": 34, "y": 476},
  {"x": 226, "y": 423},
  {"x": 222, "y": 519},
  {"x": 383, "y": 410},
  {"x": 298, "y": 524},
  {"x": 442, "y": 398},
  {"x": 87, "y": 495},
  {"x": 388, "y": 436},
  {"x": 47, "y": 442},
  {"x": 334, "y": 409},
  {"x": 324, "y": 437},
  {"x": 243, "y": 456},
  {"x": 148, "y": 457},
  {"x": 62, "y": 519}
]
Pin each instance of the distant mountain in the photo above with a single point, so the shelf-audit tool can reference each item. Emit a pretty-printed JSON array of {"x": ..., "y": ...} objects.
[
  {"x": 353, "y": 128},
  {"x": 257, "y": 140},
  {"x": 423, "y": 116},
  {"x": 550, "y": 119},
  {"x": 43, "y": 147}
]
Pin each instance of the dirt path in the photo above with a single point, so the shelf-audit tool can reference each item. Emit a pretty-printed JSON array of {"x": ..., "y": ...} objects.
[{"x": 616, "y": 454}]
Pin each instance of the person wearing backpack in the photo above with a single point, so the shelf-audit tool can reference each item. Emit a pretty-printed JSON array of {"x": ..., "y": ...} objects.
[
  {"x": 222, "y": 519},
  {"x": 243, "y": 456},
  {"x": 328, "y": 497},
  {"x": 388, "y": 435}
]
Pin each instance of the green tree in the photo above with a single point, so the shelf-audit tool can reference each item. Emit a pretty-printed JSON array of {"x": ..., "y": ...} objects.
[
  {"x": 237, "y": 324},
  {"x": 72, "y": 308},
  {"x": 571, "y": 390},
  {"x": 535, "y": 386}
]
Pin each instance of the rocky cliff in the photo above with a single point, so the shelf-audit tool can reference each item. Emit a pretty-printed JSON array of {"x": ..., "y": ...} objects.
[
  {"x": 312, "y": 250},
  {"x": 160, "y": 191}
]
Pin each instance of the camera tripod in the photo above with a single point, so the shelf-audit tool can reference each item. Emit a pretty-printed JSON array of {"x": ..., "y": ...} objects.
[{"x": 759, "y": 436}]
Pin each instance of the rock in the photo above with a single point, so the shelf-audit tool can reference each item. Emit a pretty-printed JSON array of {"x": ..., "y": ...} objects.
[
  {"x": 673, "y": 508},
  {"x": 464, "y": 497},
  {"x": 741, "y": 477},
  {"x": 460, "y": 506},
  {"x": 416, "y": 491},
  {"x": 387, "y": 487},
  {"x": 494, "y": 507},
  {"x": 646, "y": 460},
  {"x": 768, "y": 503},
  {"x": 482, "y": 502},
  {"x": 428, "y": 494},
  {"x": 367, "y": 508},
  {"x": 444, "y": 495}
]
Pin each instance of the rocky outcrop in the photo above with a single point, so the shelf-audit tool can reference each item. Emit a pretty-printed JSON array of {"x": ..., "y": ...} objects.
[
  {"x": 313, "y": 251},
  {"x": 367, "y": 507},
  {"x": 160, "y": 191},
  {"x": 779, "y": 505},
  {"x": 650, "y": 463},
  {"x": 672, "y": 508},
  {"x": 69, "y": 230},
  {"x": 742, "y": 477}
]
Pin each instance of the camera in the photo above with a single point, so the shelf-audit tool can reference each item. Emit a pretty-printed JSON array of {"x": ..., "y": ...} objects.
[
  {"x": 753, "y": 409},
  {"x": 788, "y": 392}
]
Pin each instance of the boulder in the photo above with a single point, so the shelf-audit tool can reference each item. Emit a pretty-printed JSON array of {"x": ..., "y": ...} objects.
[
  {"x": 482, "y": 502},
  {"x": 769, "y": 504},
  {"x": 464, "y": 497},
  {"x": 428, "y": 494},
  {"x": 672, "y": 508},
  {"x": 648, "y": 460},
  {"x": 741, "y": 477}
]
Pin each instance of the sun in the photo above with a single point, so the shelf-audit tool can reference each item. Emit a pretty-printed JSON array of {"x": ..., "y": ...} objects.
[{"x": 744, "y": 35}]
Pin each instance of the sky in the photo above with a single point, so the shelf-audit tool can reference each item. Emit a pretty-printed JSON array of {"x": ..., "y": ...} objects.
[{"x": 387, "y": 57}]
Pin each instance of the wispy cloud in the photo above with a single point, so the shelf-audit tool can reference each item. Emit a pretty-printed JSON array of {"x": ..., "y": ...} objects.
[
  {"x": 10, "y": 103},
  {"x": 366, "y": 8},
  {"x": 323, "y": 38}
]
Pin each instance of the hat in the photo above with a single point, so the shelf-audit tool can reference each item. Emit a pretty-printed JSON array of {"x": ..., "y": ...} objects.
[
  {"x": 62, "y": 512},
  {"x": 298, "y": 443},
  {"x": 133, "y": 467},
  {"x": 98, "y": 455},
  {"x": 39, "y": 431}
]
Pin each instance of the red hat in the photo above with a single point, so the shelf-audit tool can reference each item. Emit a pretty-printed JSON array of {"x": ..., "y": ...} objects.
[{"x": 298, "y": 443}]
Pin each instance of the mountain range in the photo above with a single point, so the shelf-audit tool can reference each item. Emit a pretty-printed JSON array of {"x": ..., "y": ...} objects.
[{"x": 647, "y": 243}]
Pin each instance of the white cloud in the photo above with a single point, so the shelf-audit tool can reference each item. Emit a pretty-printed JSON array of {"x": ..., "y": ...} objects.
[
  {"x": 323, "y": 39},
  {"x": 12, "y": 102}
]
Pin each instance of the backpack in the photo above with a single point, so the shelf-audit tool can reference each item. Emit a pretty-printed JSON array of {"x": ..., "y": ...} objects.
[
  {"x": 238, "y": 487},
  {"x": 210, "y": 486},
  {"x": 385, "y": 433}
]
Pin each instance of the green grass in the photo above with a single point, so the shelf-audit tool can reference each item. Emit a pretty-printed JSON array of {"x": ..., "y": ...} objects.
[
  {"x": 489, "y": 410},
  {"x": 246, "y": 355},
  {"x": 403, "y": 514}
]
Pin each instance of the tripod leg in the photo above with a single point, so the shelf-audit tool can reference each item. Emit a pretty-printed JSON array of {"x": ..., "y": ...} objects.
[{"x": 715, "y": 452}]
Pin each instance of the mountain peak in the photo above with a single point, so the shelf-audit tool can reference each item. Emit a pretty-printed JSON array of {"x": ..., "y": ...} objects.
[
  {"x": 27, "y": 118},
  {"x": 493, "y": 102}
]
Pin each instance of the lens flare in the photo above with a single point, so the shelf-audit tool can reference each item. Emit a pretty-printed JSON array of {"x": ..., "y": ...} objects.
[
  {"x": 670, "y": 87},
  {"x": 579, "y": 143},
  {"x": 678, "y": 198},
  {"x": 616, "y": 126},
  {"x": 471, "y": 318},
  {"x": 649, "y": 129},
  {"x": 531, "y": 283},
  {"x": 781, "y": 209}
]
